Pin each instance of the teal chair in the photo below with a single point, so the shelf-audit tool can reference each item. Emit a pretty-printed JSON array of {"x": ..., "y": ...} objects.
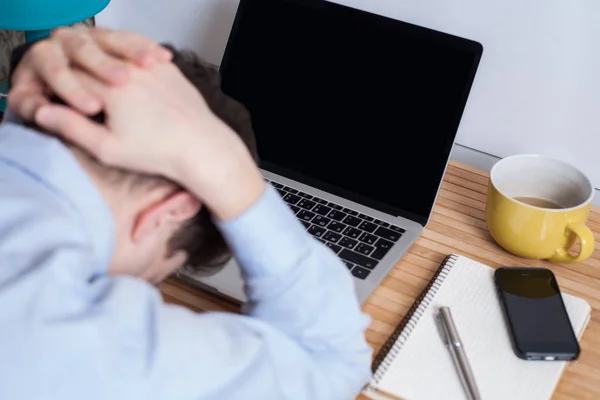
[{"x": 37, "y": 17}]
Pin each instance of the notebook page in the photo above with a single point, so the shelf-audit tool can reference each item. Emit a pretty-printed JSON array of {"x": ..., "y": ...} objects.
[{"x": 423, "y": 368}]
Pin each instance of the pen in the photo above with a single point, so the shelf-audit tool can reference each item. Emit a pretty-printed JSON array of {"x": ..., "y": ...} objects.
[{"x": 457, "y": 351}]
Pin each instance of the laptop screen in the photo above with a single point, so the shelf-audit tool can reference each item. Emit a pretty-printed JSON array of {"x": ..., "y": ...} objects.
[{"x": 359, "y": 105}]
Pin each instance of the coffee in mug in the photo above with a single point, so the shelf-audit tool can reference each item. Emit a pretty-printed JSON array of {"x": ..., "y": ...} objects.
[{"x": 538, "y": 202}]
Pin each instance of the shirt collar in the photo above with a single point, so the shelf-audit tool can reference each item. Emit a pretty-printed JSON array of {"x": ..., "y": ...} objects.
[{"x": 54, "y": 166}]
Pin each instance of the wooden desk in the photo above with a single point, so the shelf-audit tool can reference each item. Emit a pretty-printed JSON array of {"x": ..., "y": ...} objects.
[{"x": 458, "y": 226}]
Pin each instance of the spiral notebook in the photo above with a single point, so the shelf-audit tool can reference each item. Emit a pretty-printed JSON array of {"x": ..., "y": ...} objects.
[{"x": 414, "y": 364}]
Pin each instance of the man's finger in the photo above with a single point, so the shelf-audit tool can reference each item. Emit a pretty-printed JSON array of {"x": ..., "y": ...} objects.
[
  {"x": 54, "y": 70},
  {"x": 75, "y": 128},
  {"x": 25, "y": 103},
  {"x": 83, "y": 51},
  {"x": 132, "y": 47}
]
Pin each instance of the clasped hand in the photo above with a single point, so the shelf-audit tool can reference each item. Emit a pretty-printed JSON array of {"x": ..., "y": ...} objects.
[{"x": 156, "y": 121}]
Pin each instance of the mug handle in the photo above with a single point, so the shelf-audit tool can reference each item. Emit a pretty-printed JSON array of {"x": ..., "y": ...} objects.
[{"x": 586, "y": 239}]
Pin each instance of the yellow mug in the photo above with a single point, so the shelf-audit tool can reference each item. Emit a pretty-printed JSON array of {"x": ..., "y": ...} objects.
[{"x": 537, "y": 207}]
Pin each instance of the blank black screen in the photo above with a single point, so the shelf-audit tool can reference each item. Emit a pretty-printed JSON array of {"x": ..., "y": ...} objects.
[
  {"x": 535, "y": 311},
  {"x": 353, "y": 103}
]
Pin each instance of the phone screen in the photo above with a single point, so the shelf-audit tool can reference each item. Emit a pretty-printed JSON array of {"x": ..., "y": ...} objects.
[{"x": 536, "y": 315}]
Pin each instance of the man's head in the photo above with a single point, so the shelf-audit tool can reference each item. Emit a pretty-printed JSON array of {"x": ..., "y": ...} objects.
[{"x": 160, "y": 226}]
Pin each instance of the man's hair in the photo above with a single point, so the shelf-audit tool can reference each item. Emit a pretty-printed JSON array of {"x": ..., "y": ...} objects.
[{"x": 198, "y": 237}]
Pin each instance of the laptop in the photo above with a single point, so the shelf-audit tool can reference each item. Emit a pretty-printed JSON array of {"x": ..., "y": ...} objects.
[{"x": 355, "y": 116}]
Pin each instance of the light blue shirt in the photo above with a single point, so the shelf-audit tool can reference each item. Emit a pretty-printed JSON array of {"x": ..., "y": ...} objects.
[{"x": 70, "y": 331}]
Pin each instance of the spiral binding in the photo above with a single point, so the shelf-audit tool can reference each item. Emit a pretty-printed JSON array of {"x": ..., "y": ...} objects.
[{"x": 394, "y": 344}]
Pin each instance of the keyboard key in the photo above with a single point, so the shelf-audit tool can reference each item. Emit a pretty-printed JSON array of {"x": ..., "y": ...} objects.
[
  {"x": 397, "y": 229},
  {"x": 360, "y": 273},
  {"x": 368, "y": 226},
  {"x": 321, "y": 209},
  {"x": 321, "y": 240},
  {"x": 352, "y": 232},
  {"x": 368, "y": 238},
  {"x": 335, "y": 206},
  {"x": 381, "y": 223},
  {"x": 363, "y": 216},
  {"x": 316, "y": 231},
  {"x": 348, "y": 264},
  {"x": 384, "y": 244},
  {"x": 292, "y": 191},
  {"x": 294, "y": 208},
  {"x": 305, "y": 215},
  {"x": 277, "y": 185},
  {"x": 332, "y": 237},
  {"x": 306, "y": 196},
  {"x": 352, "y": 221},
  {"x": 306, "y": 224},
  {"x": 306, "y": 204},
  {"x": 337, "y": 215},
  {"x": 320, "y": 201},
  {"x": 352, "y": 212},
  {"x": 281, "y": 192},
  {"x": 382, "y": 247},
  {"x": 347, "y": 210},
  {"x": 358, "y": 259},
  {"x": 364, "y": 249},
  {"x": 291, "y": 198},
  {"x": 336, "y": 249},
  {"x": 321, "y": 221},
  {"x": 370, "y": 219},
  {"x": 388, "y": 234},
  {"x": 336, "y": 227},
  {"x": 348, "y": 243}
]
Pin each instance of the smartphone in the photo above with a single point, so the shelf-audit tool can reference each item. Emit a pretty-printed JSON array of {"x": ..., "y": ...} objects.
[{"x": 536, "y": 316}]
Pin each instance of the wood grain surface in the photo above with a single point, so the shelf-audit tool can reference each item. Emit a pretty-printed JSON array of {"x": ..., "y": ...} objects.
[{"x": 458, "y": 226}]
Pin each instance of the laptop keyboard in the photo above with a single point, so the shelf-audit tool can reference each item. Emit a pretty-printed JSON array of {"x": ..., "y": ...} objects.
[{"x": 359, "y": 240}]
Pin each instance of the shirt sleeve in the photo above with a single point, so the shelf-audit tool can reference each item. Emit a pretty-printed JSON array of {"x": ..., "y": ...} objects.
[{"x": 71, "y": 331}]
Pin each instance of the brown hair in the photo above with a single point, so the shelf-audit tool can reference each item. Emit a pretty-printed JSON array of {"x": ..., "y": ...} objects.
[{"x": 198, "y": 237}]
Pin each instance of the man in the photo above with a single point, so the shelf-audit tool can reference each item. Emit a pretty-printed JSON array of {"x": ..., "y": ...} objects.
[{"x": 79, "y": 246}]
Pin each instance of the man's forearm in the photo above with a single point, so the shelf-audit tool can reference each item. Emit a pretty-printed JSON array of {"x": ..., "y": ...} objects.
[
  {"x": 293, "y": 283},
  {"x": 232, "y": 187}
]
